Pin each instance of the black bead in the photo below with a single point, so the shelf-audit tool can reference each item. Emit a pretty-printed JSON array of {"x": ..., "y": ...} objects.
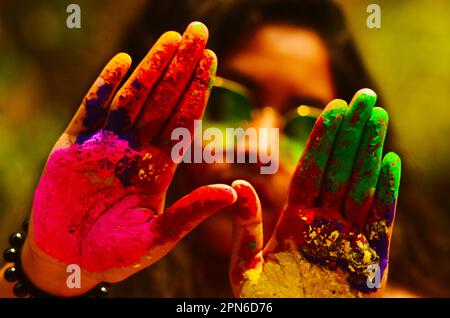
[
  {"x": 10, "y": 274},
  {"x": 20, "y": 290},
  {"x": 25, "y": 225},
  {"x": 16, "y": 239},
  {"x": 10, "y": 254}
]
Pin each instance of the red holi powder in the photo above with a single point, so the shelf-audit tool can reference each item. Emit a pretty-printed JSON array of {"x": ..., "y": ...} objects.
[
  {"x": 293, "y": 226},
  {"x": 147, "y": 74},
  {"x": 305, "y": 187},
  {"x": 248, "y": 206},
  {"x": 358, "y": 213},
  {"x": 164, "y": 97},
  {"x": 246, "y": 257}
]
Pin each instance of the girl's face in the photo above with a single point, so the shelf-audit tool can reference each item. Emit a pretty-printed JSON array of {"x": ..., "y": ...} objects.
[{"x": 284, "y": 67}]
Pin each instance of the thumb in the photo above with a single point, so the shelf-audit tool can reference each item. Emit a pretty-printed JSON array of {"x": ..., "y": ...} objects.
[
  {"x": 191, "y": 210},
  {"x": 246, "y": 254}
]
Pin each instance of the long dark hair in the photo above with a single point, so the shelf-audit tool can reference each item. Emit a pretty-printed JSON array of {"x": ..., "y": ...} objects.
[{"x": 421, "y": 248}]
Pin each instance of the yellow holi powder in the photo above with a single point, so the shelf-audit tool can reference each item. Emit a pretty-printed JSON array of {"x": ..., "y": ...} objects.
[
  {"x": 377, "y": 228},
  {"x": 142, "y": 174},
  {"x": 147, "y": 156},
  {"x": 289, "y": 274}
]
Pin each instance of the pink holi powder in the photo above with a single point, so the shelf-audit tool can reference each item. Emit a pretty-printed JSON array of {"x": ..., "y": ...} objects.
[{"x": 83, "y": 212}]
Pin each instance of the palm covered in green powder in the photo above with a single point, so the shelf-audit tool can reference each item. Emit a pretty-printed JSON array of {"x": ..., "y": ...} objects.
[{"x": 339, "y": 216}]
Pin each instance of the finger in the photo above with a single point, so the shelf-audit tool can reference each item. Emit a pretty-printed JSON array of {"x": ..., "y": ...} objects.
[
  {"x": 191, "y": 210},
  {"x": 193, "y": 102},
  {"x": 382, "y": 213},
  {"x": 246, "y": 254},
  {"x": 92, "y": 111},
  {"x": 307, "y": 179},
  {"x": 164, "y": 97},
  {"x": 345, "y": 147},
  {"x": 367, "y": 167},
  {"x": 128, "y": 101}
]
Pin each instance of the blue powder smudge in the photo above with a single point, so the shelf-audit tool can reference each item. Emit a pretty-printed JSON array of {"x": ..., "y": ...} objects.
[
  {"x": 136, "y": 84},
  {"x": 94, "y": 106},
  {"x": 82, "y": 137},
  {"x": 126, "y": 169},
  {"x": 118, "y": 120}
]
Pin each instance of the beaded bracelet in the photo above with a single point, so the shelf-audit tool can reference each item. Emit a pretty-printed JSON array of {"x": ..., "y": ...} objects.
[{"x": 23, "y": 286}]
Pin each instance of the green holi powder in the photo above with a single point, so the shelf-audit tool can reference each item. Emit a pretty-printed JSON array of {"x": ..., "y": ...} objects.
[
  {"x": 391, "y": 167},
  {"x": 319, "y": 154},
  {"x": 329, "y": 117},
  {"x": 369, "y": 156},
  {"x": 198, "y": 27},
  {"x": 347, "y": 140},
  {"x": 214, "y": 67},
  {"x": 212, "y": 72},
  {"x": 211, "y": 82}
]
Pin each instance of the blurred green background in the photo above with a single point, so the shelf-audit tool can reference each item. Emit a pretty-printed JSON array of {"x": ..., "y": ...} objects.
[
  {"x": 409, "y": 57},
  {"x": 45, "y": 69}
]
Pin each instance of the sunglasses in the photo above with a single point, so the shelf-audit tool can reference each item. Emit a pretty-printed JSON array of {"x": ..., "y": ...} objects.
[{"x": 230, "y": 105}]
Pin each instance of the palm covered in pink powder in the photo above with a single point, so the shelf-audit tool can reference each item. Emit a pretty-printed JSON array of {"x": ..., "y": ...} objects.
[
  {"x": 98, "y": 205},
  {"x": 100, "y": 201},
  {"x": 339, "y": 215}
]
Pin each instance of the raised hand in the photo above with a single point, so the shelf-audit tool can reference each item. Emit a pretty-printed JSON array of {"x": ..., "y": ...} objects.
[
  {"x": 100, "y": 200},
  {"x": 332, "y": 240}
]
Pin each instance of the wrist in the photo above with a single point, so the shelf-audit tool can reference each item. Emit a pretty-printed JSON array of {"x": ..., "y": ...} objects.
[{"x": 49, "y": 274}]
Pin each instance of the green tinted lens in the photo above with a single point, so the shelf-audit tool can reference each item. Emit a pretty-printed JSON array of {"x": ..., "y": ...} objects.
[
  {"x": 227, "y": 106},
  {"x": 290, "y": 151},
  {"x": 299, "y": 127}
]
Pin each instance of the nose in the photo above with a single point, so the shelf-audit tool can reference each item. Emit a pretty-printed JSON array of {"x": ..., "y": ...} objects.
[{"x": 266, "y": 118}]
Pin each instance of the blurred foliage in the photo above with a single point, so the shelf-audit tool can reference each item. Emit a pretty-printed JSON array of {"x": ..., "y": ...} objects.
[{"x": 409, "y": 57}]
